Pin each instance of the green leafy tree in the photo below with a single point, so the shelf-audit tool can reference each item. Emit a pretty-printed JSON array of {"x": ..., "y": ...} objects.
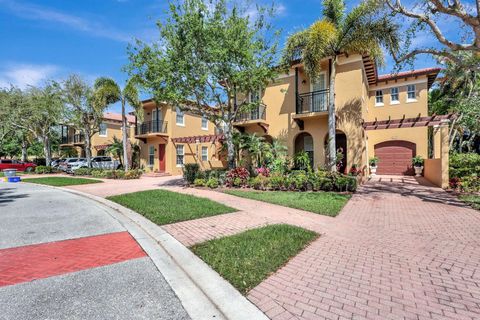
[
  {"x": 85, "y": 106},
  {"x": 358, "y": 31},
  {"x": 36, "y": 113},
  {"x": 111, "y": 91},
  {"x": 208, "y": 51}
]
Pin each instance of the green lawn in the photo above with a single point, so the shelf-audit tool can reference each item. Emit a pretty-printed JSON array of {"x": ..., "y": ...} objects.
[
  {"x": 325, "y": 203},
  {"x": 61, "y": 181},
  {"x": 165, "y": 207},
  {"x": 471, "y": 199},
  {"x": 246, "y": 259}
]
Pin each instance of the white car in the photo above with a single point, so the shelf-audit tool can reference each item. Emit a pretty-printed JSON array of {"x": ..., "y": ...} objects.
[
  {"x": 106, "y": 163},
  {"x": 67, "y": 163}
]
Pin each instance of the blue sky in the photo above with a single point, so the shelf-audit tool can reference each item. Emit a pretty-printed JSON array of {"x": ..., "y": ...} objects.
[{"x": 50, "y": 39}]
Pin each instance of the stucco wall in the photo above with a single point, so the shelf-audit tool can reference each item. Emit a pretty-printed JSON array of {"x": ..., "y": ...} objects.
[
  {"x": 432, "y": 171},
  {"x": 418, "y": 135}
]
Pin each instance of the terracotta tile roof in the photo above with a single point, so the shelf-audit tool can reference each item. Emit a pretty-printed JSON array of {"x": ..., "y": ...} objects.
[
  {"x": 118, "y": 117},
  {"x": 431, "y": 73}
]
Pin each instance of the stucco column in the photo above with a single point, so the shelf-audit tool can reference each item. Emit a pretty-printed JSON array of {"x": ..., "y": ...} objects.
[{"x": 442, "y": 148}]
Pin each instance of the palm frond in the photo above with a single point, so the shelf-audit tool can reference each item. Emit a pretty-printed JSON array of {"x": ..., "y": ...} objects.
[{"x": 334, "y": 11}]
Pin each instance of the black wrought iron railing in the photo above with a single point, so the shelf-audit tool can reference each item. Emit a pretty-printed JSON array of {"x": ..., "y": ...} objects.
[
  {"x": 154, "y": 126},
  {"x": 79, "y": 138},
  {"x": 67, "y": 140},
  {"x": 258, "y": 113},
  {"x": 316, "y": 101}
]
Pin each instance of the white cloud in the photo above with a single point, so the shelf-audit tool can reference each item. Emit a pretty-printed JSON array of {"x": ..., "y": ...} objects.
[
  {"x": 36, "y": 12},
  {"x": 24, "y": 75}
]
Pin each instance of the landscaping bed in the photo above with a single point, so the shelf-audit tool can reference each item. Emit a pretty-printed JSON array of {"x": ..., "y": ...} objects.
[
  {"x": 61, "y": 181},
  {"x": 324, "y": 203},
  {"x": 165, "y": 207},
  {"x": 109, "y": 174},
  {"x": 248, "y": 258},
  {"x": 471, "y": 199}
]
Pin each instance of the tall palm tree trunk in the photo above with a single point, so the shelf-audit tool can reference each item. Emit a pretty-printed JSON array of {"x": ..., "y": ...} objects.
[
  {"x": 331, "y": 118},
  {"x": 126, "y": 163}
]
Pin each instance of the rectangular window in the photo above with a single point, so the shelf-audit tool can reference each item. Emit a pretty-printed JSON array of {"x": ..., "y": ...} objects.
[
  {"x": 379, "y": 98},
  {"x": 180, "y": 118},
  {"x": 102, "y": 130},
  {"x": 204, "y": 123},
  {"x": 411, "y": 92},
  {"x": 204, "y": 153},
  {"x": 394, "y": 96},
  {"x": 180, "y": 155},
  {"x": 151, "y": 156}
]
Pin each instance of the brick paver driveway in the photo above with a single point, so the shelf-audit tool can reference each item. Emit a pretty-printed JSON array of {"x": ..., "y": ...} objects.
[{"x": 398, "y": 250}]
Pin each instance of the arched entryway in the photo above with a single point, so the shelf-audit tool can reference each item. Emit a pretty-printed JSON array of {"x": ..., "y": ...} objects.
[
  {"x": 395, "y": 157},
  {"x": 304, "y": 142},
  {"x": 341, "y": 147}
]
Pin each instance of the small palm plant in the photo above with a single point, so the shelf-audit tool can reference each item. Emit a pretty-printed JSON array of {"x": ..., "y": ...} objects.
[
  {"x": 116, "y": 149},
  {"x": 359, "y": 31}
]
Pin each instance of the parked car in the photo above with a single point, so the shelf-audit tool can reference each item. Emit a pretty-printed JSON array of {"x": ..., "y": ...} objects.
[
  {"x": 68, "y": 162},
  {"x": 55, "y": 163},
  {"x": 15, "y": 164},
  {"x": 106, "y": 163}
]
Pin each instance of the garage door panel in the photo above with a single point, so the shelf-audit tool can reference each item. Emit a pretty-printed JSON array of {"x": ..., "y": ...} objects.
[{"x": 395, "y": 157}]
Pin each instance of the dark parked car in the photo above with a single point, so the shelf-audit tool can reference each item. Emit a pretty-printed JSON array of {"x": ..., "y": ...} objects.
[{"x": 15, "y": 164}]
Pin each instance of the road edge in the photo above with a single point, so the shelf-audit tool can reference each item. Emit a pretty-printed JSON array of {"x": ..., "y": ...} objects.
[{"x": 203, "y": 292}]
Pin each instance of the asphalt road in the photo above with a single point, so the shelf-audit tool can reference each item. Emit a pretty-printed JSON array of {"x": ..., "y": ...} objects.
[{"x": 36, "y": 215}]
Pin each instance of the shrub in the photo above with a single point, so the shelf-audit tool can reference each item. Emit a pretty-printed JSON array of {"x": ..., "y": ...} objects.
[
  {"x": 43, "y": 169},
  {"x": 190, "y": 172},
  {"x": 276, "y": 182},
  {"x": 133, "y": 174},
  {"x": 463, "y": 164},
  {"x": 199, "y": 182},
  {"x": 212, "y": 183},
  {"x": 83, "y": 172},
  {"x": 259, "y": 182},
  {"x": 298, "y": 181},
  {"x": 237, "y": 177},
  {"x": 302, "y": 161},
  {"x": 454, "y": 183},
  {"x": 470, "y": 184},
  {"x": 345, "y": 183},
  {"x": 326, "y": 184},
  {"x": 279, "y": 165},
  {"x": 98, "y": 173}
]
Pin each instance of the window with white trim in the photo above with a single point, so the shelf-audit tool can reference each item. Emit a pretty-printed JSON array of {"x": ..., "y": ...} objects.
[
  {"x": 411, "y": 92},
  {"x": 394, "y": 96},
  {"x": 204, "y": 123},
  {"x": 102, "y": 130},
  {"x": 379, "y": 97},
  {"x": 204, "y": 153},
  {"x": 151, "y": 156},
  {"x": 180, "y": 117},
  {"x": 180, "y": 155}
]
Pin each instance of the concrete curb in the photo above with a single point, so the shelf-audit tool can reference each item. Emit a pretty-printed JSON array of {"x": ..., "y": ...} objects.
[{"x": 203, "y": 292}]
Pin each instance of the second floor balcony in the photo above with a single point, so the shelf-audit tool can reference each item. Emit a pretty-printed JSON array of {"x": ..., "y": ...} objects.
[
  {"x": 312, "y": 102},
  {"x": 256, "y": 116},
  {"x": 73, "y": 139},
  {"x": 153, "y": 127}
]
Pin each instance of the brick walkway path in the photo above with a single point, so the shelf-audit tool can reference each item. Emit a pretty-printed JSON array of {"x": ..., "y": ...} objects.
[{"x": 398, "y": 250}]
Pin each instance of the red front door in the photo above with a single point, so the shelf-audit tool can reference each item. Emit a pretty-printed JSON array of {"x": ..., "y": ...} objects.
[{"x": 161, "y": 157}]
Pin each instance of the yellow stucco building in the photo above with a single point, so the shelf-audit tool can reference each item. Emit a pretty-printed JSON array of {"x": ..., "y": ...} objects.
[{"x": 110, "y": 128}]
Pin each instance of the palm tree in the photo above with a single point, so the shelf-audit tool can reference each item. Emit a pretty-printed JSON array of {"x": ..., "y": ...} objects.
[
  {"x": 116, "y": 149},
  {"x": 257, "y": 148},
  {"x": 107, "y": 87},
  {"x": 359, "y": 31}
]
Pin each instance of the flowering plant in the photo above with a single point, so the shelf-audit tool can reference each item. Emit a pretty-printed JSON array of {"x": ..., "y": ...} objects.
[
  {"x": 263, "y": 172},
  {"x": 237, "y": 177}
]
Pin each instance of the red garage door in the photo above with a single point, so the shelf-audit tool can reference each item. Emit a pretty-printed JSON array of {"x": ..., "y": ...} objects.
[{"x": 395, "y": 157}]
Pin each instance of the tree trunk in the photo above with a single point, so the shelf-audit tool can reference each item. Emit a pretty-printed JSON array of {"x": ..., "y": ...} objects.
[
  {"x": 126, "y": 164},
  {"x": 332, "y": 150},
  {"x": 230, "y": 146},
  {"x": 47, "y": 150},
  {"x": 88, "y": 148},
  {"x": 24, "y": 149}
]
